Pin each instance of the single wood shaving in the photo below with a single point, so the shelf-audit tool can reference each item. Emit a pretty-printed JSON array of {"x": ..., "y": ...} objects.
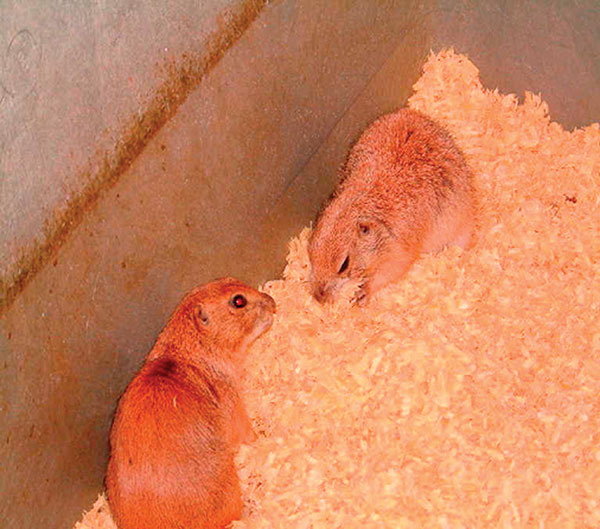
[{"x": 465, "y": 395}]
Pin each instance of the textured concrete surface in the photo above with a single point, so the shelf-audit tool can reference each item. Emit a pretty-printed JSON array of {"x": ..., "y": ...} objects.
[
  {"x": 214, "y": 186},
  {"x": 82, "y": 87}
]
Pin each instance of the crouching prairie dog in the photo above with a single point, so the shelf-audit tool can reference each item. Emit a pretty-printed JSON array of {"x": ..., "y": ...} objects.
[
  {"x": 181, "y": 419},
  {"x": 405, "y": 189}
]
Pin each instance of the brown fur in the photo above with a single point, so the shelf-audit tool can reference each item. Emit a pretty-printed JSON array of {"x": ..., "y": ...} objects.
[
  {"x": 181, "y": 419},
  {"x": 405, "y": 189}
]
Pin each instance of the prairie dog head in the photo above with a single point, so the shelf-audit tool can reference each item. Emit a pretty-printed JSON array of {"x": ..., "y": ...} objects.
[
  {"x": 344, "y": 247},
  {"x": 224, "y": 314}
]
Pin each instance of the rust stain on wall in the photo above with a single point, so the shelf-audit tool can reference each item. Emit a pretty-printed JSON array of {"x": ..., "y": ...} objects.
[{"x": 181, "y": 77}]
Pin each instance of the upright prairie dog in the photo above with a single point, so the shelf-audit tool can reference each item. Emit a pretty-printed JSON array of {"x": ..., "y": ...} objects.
[
  {"x": 405, "y": 189},
  {"x": 181, "y": 419}
]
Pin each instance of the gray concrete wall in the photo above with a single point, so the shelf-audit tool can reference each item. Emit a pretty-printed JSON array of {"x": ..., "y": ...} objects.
[
  {"x": 72, "y": 75},
  {"x": 131, "y": 174}
]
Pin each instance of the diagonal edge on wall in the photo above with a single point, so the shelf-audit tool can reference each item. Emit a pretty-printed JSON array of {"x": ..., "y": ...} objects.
[{"x": 106, "y": 168}]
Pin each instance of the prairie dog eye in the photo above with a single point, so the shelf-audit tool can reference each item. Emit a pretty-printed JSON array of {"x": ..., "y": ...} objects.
[
  {"x": 363, "y": 228},
  {"x": 344, "y": 266},
  {"x": 238, "y": 301}
]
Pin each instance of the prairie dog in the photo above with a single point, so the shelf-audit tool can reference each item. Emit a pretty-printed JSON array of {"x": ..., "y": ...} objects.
[
  {"x": 181, "y": 419},
  {"x": 405, "y": 189}
]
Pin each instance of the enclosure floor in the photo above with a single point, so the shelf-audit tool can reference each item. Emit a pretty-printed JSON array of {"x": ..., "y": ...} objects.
[{"x": 466, "y": 395}]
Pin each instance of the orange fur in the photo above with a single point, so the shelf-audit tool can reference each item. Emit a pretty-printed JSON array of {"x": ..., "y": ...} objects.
[
  {"x": 181, "y": 419},
  {"x": 405, "y": 189}
]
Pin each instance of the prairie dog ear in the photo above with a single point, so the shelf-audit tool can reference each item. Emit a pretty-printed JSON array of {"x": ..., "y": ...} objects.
[
  {"x": 199, "y": 317},
  {"x": 367, "y": 227},
  {"x": 364, "y": 228}
]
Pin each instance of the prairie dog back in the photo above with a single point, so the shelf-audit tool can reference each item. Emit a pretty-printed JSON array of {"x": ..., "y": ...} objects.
[
  {"x": 181, "y": 419},
  {"x": 405, "y": 189}
]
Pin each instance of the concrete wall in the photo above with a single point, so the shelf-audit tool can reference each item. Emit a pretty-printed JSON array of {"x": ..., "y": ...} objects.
[
  {"x": 82, "y": 83},
  {"x": 550, "y": 47},
  {"x": 147, "y": 148}
]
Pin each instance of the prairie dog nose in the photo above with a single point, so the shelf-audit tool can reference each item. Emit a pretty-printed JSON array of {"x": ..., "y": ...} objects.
[{"x": 269, "y": 303}]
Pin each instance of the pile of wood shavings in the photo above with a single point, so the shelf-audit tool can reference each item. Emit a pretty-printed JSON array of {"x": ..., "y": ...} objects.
[{"x": 466, "y": 395}]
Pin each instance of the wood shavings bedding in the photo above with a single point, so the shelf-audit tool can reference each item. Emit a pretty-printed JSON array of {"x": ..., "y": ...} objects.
[{"x": 466, "y": 395}]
